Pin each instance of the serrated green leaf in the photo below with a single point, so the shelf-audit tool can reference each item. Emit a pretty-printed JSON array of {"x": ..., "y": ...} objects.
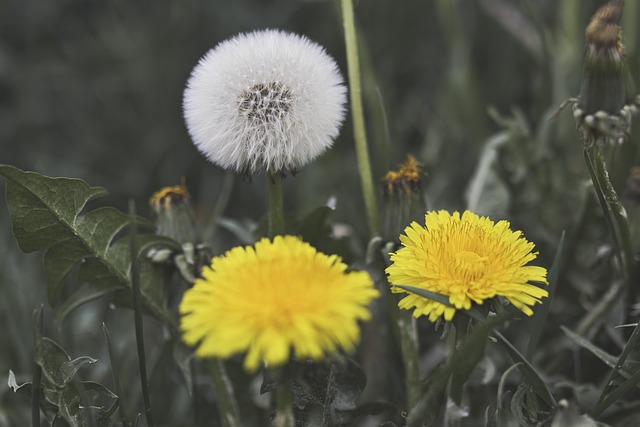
[
  {"x": 46, "y": 215},
  {"x": 42, "y": 208},
  {"x": 50, "y": 357},
  {"x": 69, "y": 403},
  {"x": 47, "y": 398},
  {"x": 79, "y": 409},
  {"x": 56, "y": 363},
  {"x": 70, "y": 368}
]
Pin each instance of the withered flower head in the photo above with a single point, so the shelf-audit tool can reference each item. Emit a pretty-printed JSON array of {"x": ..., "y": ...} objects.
[
  {"x": 604, "y": 70},
  {"x": 174, "y": 213},
  {"x": 605, "y": 105},
  {"x": 402, "y": 197}
]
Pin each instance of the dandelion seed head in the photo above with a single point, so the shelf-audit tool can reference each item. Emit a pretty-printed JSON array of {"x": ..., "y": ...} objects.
[{"x": 264, "y": 100}]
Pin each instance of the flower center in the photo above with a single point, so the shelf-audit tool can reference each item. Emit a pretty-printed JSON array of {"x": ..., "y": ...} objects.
[
  {"x": 469, "y": 264},
  {"x": 266, "y": 102}
]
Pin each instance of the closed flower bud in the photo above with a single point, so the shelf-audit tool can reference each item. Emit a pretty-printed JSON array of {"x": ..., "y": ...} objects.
[
  {"x": 174, "y": 214},
  {"x": 605, "y": 105},
  {"x": 403, "y": 200}
]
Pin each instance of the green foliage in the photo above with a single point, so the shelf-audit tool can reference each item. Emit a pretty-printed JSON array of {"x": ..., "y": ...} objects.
[
  {"x": 46, "y": 215},
  {"x": 456, "y": 84},
  {"x": 64, "y": 399}
]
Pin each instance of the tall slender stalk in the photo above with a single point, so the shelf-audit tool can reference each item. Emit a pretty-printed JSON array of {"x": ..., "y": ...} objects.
[
  {"x": 276, "y": 205},
  {"x": 409, "y": 346},
  {"x": 37, "y": 371},
  {"x": 284, "y": 398},
  {"x": 227, "y": 405},
  {"x": 137, "y": 312},
  {"x": 357, "y": 115}
]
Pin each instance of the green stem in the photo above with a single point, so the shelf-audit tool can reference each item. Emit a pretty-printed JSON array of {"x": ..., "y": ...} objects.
[
  {"x": 409, "y": 345},
  {"x": 284, "y": 398},
  {"x": 137, "y": 311},
  {"x": 613, "y": 211},
  {"x": 357, "y": 115},
  {"x": 227, "y": 404},
  {"x": 404, "y": 328},
  {"x": 276, "y": 205},
  {"x": 37, "y": 372}
]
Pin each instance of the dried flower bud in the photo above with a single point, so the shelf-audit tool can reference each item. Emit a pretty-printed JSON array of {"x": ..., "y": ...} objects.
[
  {"x": 606, "y": 105},
  {"x": 403, "y": 200},
  {"x": 604, "y": 72},
  {"x": 174, "y": 214}
]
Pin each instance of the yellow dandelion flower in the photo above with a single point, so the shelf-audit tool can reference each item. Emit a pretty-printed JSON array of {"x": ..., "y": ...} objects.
[
  {"x": 469, "y": 259},
  {"x": 277, "y": 297}
]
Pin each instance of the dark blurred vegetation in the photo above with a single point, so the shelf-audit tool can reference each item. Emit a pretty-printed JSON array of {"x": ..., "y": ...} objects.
[{"x": 92, "y": 89}]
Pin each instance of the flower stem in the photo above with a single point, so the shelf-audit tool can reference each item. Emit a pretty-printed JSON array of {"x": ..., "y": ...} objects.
[
  {"x": 409, "y": 346},
  {"x": 355, "y": 92},
  {"x": 276, "y": 205},
  {"x": 613, "y": 211},
  {"x": 284, "y": 398},
  {"x": 227, "y": 404},
  {"x": 404, "y": 328},
  {"x": 137, "y": 312}
]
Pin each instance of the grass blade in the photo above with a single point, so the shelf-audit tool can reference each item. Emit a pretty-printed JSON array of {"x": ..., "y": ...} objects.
[
  {"x": 604, "y": 403},
  {"x": 543, "y": 311},
  {"x": 137, "y": 311},
  {"x": 37, "y": 371},
  {"x": 528, "y": 372},
  {"x": 116, "y": 379},
  {"x": 433, "y": 296}
]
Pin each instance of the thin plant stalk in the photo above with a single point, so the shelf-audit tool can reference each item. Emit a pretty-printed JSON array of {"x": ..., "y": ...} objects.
[
  {"x": 124, "y": 417},
  {"x": 612, "y": 209},
  {"x": 409, "y": 346},
  {"x": 137, "y": 312},
  {"x": 37, "y": 372},
  {"x": 284, "y": 399},
  {"x": 276, "y": 205},
  {"x": 357, "y": 115},
  {"x": 404, "y": 328},
  {"x": 227, "y": 404}
]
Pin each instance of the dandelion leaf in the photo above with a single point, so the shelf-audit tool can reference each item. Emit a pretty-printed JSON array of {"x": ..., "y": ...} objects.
[
  {"x": 76, "y": 413},
  {"x": 46, "y": 214},
  {"x": 328, "y": 393}
]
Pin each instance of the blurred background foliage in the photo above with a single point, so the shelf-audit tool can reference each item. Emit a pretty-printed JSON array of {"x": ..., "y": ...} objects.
[{"x": 93, "y": 89}]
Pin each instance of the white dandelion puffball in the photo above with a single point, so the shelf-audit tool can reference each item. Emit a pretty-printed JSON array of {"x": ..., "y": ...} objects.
[{"x": 264, "y": 100}]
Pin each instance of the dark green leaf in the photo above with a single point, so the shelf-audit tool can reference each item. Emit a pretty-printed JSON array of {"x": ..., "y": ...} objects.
[
  {"x": 46, "y": 215},
  {"x": 618, "y": 392},
  {"x": 627, "y": 370},
  {"x": 51, "y": 357},
  {"x": 313, "y": 226},
  {"x": 528, "y": 372},
  {"x": 543, "y": 310},
  {"x": 442, "y": 299},
  {"x": 471, "y": 351}
]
